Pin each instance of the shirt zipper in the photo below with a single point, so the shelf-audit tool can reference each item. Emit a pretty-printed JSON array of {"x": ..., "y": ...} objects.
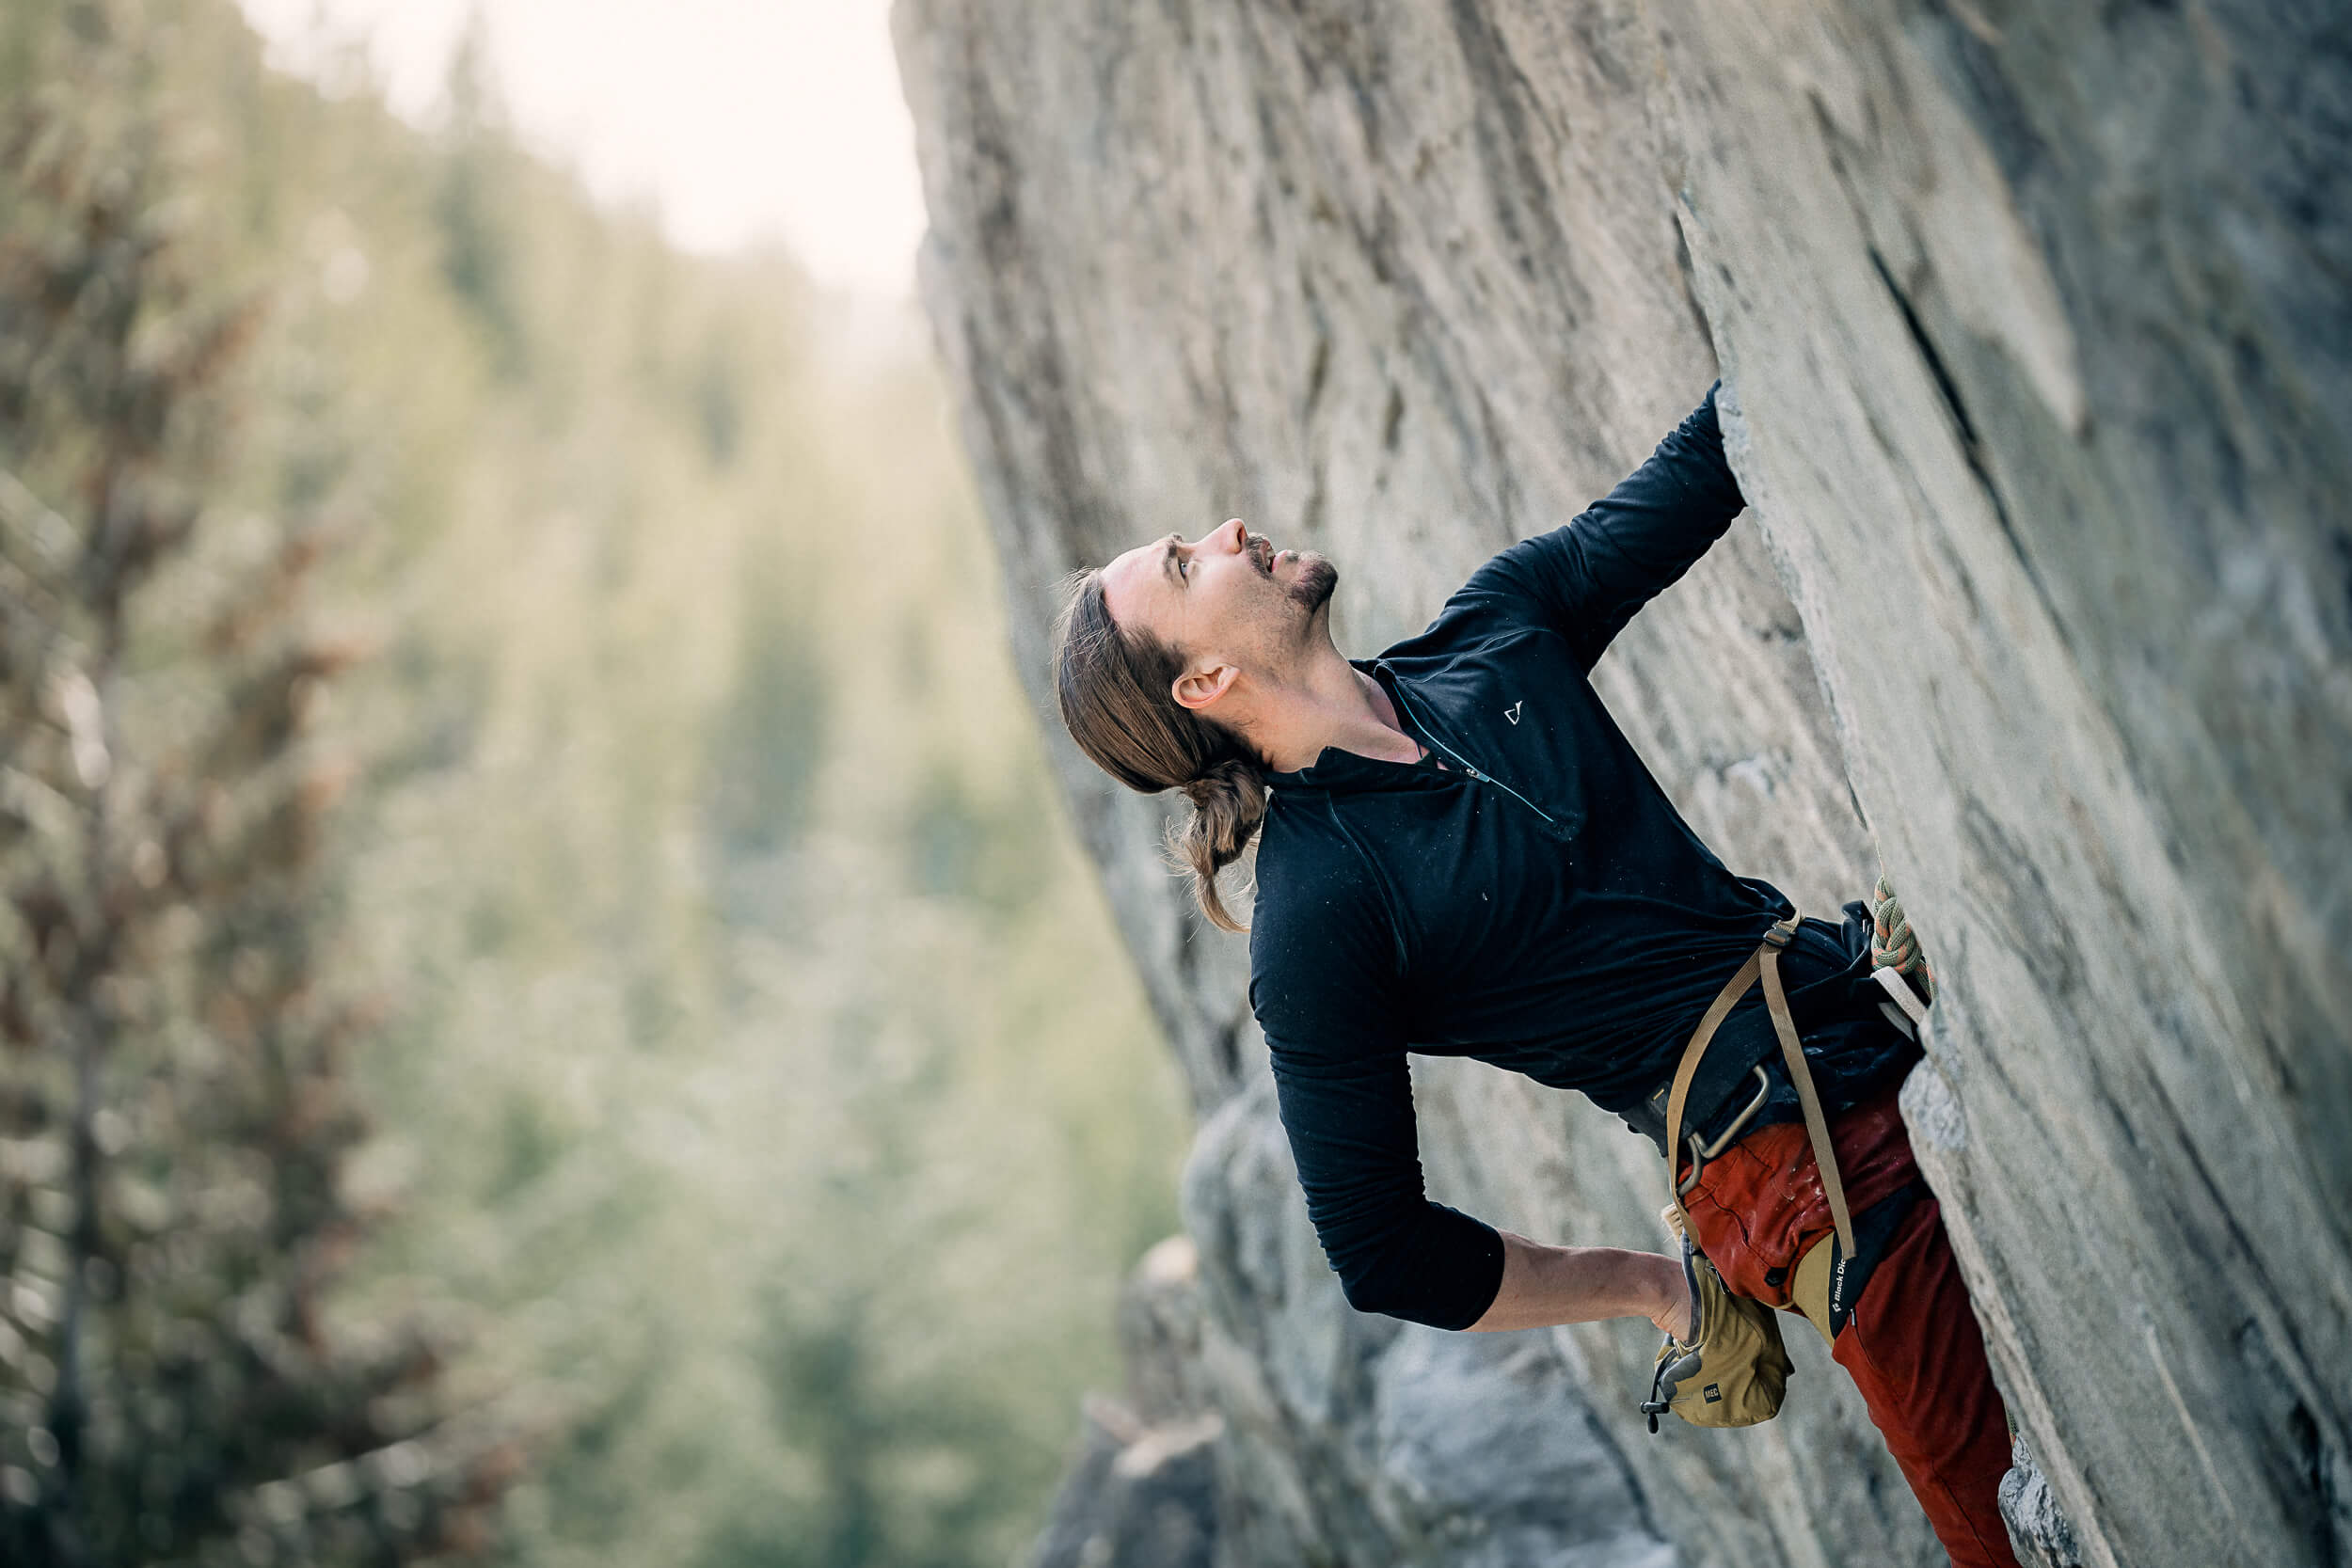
[{"x": 1467, "y": 767}]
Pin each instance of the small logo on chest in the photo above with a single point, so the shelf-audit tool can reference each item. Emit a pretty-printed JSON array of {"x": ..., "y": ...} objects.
[{"x": 1512, "y": 713}]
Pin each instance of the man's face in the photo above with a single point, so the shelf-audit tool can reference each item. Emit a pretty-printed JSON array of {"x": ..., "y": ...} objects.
[{"x": 1230, "y": 597}]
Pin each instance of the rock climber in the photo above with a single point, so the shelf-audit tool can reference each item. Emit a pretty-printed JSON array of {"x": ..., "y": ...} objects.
[{"x": 1460, "y": 854}]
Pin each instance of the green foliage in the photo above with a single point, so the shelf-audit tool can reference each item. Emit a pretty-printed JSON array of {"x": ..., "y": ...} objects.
[
  {"x": 774, "y": 725},
  {"x": 753, "y": 1075},
  {"x": 175, "y": 1114},
  {"x": 470, "y": 210}
]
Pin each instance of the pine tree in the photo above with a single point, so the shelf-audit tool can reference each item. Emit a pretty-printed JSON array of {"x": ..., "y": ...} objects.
[{"x": 174, "y": 1109}]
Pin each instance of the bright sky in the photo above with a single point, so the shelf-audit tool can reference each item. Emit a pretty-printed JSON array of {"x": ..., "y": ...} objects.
[{"x": 740, "y": 119}]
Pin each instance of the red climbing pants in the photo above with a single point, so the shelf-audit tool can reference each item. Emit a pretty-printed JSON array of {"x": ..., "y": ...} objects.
[{"x": 1911, "y": 1343}]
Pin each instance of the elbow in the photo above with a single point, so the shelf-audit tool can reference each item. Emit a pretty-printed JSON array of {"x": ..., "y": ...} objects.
[
  {"x": 1387, "y": 1294},
  {"x": 1427, "y": 1265},
  {"x": 1366, "y": 1293}
]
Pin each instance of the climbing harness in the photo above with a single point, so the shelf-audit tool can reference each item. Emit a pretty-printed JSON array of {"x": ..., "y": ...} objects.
[
  {"x": 1763, "y": 964},
  {"x": 1734, "y": 1369}
]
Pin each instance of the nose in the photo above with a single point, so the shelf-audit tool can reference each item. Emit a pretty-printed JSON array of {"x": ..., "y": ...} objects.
[{"x": 1230, "y": 535}]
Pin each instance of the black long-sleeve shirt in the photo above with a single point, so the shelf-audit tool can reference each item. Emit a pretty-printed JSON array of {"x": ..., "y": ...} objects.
[{"x": 1537, "y": 904}]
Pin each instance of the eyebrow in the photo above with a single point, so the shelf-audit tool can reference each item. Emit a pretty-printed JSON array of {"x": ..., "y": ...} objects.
[{"x": 1168, "y": 562}]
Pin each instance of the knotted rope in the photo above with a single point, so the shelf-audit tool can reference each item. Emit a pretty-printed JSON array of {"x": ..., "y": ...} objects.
[{"x": 1893, "y": 944}]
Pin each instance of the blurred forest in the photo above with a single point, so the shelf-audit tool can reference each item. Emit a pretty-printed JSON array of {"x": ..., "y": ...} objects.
[{"x": 550, "y": 1012}]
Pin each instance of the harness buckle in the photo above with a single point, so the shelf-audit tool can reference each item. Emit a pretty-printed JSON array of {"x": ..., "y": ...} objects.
[{"x": 1701, "y": 1152}]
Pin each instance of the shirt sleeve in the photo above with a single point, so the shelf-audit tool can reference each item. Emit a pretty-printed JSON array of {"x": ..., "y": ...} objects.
[
  {"x": 1586, "y": 578},
  {"x": 1324, "y": 988}
]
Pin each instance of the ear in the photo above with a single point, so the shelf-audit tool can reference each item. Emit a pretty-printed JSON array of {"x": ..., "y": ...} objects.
[{"x": 1197, "y": 689}]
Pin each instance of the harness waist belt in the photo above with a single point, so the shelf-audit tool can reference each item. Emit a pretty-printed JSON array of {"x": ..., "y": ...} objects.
[
  {"x": 1764, "y": 964},
  {"x": 1722, "y": 1094}
]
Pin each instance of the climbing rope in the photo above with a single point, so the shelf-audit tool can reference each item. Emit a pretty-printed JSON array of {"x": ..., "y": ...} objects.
[{"x": 1894, "y": 945}]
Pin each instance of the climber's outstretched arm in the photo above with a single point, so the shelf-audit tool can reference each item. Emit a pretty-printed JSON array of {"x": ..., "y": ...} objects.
[{"x": 1585, "y": 579}]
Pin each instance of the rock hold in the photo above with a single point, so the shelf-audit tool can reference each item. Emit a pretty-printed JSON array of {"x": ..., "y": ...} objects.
[{"x": 2037, "y": 1529}]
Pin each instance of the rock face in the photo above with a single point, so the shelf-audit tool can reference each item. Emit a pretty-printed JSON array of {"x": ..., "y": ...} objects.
[
  {"x": 2036, "y": 331},
  {"x": 1144, "y": 1492}
]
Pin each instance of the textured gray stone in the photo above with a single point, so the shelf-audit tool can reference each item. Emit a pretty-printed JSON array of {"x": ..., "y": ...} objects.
[
  {"x": 1144, "y": 1489},
  {"x": 1137, "y": 1496},
  {"x": 2037, "y": 337},
  {"x": 2038, "y": 1527},
  {"x": 1361, "y": 1439}
]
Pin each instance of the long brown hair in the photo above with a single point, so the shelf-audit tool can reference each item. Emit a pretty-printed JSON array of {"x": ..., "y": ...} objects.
[{"x": 1113, "y": 688}]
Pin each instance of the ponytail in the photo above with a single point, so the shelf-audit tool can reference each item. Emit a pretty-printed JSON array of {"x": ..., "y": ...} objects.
[
  {"x": 1113, "y": 688},
  {"x": 1228, "y": 805}
]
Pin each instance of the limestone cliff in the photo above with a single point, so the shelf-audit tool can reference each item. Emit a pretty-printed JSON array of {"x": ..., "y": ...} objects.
[{"x": 2035, "y": 329}]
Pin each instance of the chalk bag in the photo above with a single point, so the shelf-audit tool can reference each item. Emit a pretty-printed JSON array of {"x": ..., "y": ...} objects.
[{"x": 1733, "y": 1370}]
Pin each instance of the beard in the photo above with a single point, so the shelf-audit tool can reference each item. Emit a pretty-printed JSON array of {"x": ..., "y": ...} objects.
[{"x": 1312, "y": 589}]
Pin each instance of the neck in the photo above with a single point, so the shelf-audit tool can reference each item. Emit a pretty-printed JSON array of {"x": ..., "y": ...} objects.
[{"x": 1329, "y": 703}]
